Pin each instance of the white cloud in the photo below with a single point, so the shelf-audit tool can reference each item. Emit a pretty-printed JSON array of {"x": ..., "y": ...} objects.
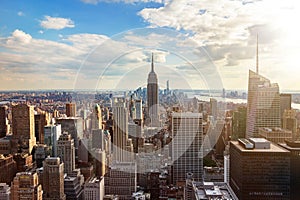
[
  {"x": 41, "y": 63},
  {"x": 19, "y": 37},
  {"x": 20, "y": 13},
  {"x": 123, "y": 1},
  {"x": 56, "y": 23},
  {"x": 228, "y": 28}
]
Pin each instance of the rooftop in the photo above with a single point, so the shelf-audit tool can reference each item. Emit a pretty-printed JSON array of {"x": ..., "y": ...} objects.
[
  {"x": 273, "y": 148},
  {"x": 210, "y": 190}
]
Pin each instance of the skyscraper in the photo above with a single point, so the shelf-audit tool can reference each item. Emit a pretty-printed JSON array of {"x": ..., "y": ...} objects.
[
  {"x": 187, "y": 153},
  {"x": 23, "y": 128},
  {"x": 152, "y": 96},
  {"x": 121, "y": 180},
  {"x": 294, "y": 148},
  {"x": 213, "y": 107},
  {"x": 26, "y": 186},
  {"x": 285, "y": 103},
  {"x": 94, "y": 189},
  {"x": 51, "y": 136},
  {"x": 239, "y": 123},
  {"x": 40, "y": 120},
  {"x": 263, "y": 107},
  {"x": 289, "y": 121},
  {"x": 53, "y": 179},
  {"x": 3, "y": 121},
  {"x": 139, "y": 109},
  {"x": 120, "y": 128},
  {"x": 66, "y": 152},
  {"x": 8, "y": 168},
  {"x": 96, "y": 118},
  {"x": 71, "y": 109},
  {"x": 259, "y": 170}
]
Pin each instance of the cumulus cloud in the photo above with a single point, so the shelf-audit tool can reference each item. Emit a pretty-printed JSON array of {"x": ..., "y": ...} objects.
[
  {"x": 19, "y": 37},
  {"x": 32, "y": 60},
  {"x": 56, "y": 23},
  {"x": 227, "y": 29}
]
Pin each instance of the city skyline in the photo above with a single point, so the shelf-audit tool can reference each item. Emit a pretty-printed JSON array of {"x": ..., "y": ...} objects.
[{"x": 43, "y": 45}]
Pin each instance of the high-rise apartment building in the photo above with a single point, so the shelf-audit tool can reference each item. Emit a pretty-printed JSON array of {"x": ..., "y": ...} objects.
[
  {"x": 40, "y": 120},
  {"x": 213, "y": 104},
  {"x": 40, "y": 154},
  {"x": 94, "y": 189},
  {"x": 121, "y": 180},
  {"x": 289, "y": 121},
  {"x": 73, "y": 184},
  {"x": 239, "y": 119},
  {"x": 139, "y": 109},
  {"x": 285, "y": 103},
  {"x": 3, "y": 121},
  {"x": 263, "y": 107},
  {"x": 51, "y": 136},
  {"x": 72, "y": 125},
  {"x": 23, "y": 128},
  {"x": 8, "y": 168},
  {"x": 120, "y": 129},
  {"x": 294, "y": 148},
  {"x": 187, "y": 153},
  {"x": 71, "y": 109},
  {"x": 26, "y": 186},
  {"x": 152, "y": 96},
  {"x": 53, "y": 179},
  {"x": 66, "y": 152},
  {"x": 96, "y": 118},
  {"x": 259, "y": 169}
]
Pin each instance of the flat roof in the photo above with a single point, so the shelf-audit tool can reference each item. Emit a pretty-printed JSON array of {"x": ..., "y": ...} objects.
[
  {"x": 259, "y": 140},
  {"x": 186, "y": 114},
  {"x": 284, "y": 145},
  {"x": 273, "y": 148}
]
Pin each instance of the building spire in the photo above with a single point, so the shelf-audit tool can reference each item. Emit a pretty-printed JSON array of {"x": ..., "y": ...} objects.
[
  {"x": 257, "y": 53},
  {"x": 152, "y": 64}
]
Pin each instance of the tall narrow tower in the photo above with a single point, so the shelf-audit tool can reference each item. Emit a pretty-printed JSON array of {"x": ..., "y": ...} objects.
[
  {"x": 66, "y": 152},
  {"x": 23, "y": 127},
  {"x": 187, "y": 134},
  {"x": 53, "y": 179},
  {"x": 152, "y": 95}
]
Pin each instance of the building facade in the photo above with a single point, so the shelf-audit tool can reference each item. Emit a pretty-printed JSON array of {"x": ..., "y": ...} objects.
[
  {"x": 3, "y": 121},
  {"x": 23, "y": 128},
  {"x": 4, "y": 192},
  {"x": 94, "y": 189},
  {"x": 187, "y": 133},
  {"x": 259, "y": 170},
  {"x": 120, "y": 129},
  {"x": 294, "y": 148},
  {"x": 26, "y": 186},
  {"x": 121, "y": 180},
  {"x": 53, "y": 179},
  {"x": 152, "y": 96},
  {"x": 66, "y": 152},
  {"x": 263, "y": 107},
  {"x": 52, "y": 134},
  {"x": 8, "y": 169},
  {"x": 71, "y": 109}
]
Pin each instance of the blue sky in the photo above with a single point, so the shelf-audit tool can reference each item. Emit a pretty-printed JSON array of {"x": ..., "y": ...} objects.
[
  {"x": 64, "y": 44},
  {"x": 102, "y": 18}
]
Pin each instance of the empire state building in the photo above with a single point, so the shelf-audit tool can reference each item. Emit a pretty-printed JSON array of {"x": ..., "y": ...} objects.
[{"x": 152, "y": 96}]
